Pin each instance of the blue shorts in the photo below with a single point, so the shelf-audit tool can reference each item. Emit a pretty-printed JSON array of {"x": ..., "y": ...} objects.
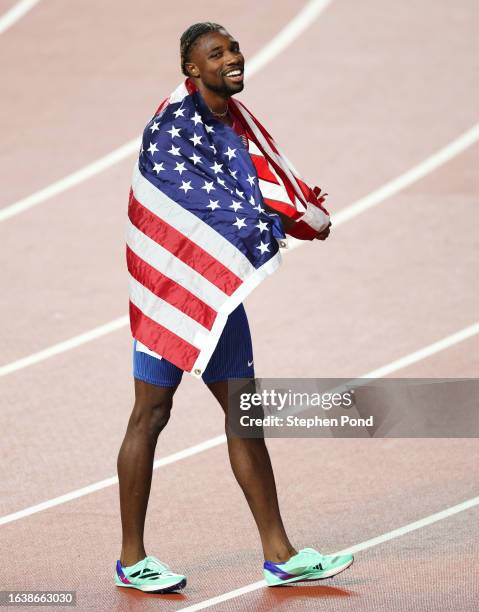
[{"x": 232, "y": 357}]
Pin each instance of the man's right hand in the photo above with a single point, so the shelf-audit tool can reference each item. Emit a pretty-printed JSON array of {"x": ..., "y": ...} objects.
[{"x": 324, "y": 234}]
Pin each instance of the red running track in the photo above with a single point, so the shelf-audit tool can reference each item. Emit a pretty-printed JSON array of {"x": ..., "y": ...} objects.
[{"x": 368, "y": 95}]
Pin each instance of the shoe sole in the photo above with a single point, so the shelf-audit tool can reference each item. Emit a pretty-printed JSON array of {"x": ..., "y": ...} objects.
[
  {"x": 152, "y": 589},
  {"x": 309, "y": 577}
]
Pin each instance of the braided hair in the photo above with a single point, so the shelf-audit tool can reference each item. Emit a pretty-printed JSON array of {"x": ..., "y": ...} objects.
[{"x": 190, "y": 36}]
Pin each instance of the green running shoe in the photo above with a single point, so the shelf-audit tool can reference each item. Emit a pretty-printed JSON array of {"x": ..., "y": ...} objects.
[
  {"x": 149, "y": 575},
  {"x": 308, "y": 564}
]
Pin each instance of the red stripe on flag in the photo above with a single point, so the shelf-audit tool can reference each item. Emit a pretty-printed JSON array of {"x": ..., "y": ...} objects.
[
  {"x": 162, "y": 340},
  {"x": 262, "y": 169},
  {"x": 182, "y": 247},
  {"x": 162, "y": 106},
  {"x": 282, "y": 207},
  {"x": 169, "y": 290}
]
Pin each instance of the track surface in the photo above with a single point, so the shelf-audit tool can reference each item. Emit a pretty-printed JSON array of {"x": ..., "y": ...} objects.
[{"x": 368, "y": 94}]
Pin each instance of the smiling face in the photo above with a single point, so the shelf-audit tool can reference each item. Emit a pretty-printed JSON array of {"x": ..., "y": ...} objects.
[{"x": 216, "y": 63}]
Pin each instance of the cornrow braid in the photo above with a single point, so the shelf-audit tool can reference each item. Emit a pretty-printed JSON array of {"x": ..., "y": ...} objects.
[{"x": 189, "y": 37}]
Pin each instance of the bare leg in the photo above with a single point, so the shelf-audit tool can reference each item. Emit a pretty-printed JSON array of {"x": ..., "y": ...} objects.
[
  {"x": 252, "y": 468},
  {"x": 150, "y": 414}
]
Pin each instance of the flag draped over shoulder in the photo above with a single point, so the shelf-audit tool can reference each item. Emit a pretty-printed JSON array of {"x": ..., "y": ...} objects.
[{"x": 199, "y": 237}]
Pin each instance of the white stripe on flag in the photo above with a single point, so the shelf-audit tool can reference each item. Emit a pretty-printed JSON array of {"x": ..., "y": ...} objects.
[
  {"x": 179, "y": 94},
  {"x": 274, "y": 192},
  {"x": 315, "y": 218},
  {"x": 166, "y": 263},
  {"x": 190, "y": 225},
  {"x": 165, "y": 314},
  {"x": 254, "y": 149}
]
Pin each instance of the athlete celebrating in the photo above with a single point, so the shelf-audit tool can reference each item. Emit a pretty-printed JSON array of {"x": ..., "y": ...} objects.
[{"x": 212, "y": 145}]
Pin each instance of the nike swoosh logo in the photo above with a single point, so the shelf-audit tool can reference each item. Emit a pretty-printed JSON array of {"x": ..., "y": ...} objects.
[{"x": 250, "y": 363}]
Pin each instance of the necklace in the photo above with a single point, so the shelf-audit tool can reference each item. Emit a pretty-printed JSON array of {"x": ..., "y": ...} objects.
[{"x": 221, "y": 115}]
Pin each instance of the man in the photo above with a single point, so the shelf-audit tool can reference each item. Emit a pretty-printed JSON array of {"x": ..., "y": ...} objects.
[{"x": 219, "y": 152}]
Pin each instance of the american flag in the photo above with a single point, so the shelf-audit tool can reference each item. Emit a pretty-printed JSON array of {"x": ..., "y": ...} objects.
[{"x": 199, "y": 237}]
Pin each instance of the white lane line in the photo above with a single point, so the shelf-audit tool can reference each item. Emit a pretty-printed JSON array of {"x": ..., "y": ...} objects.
[
  {"x": 64, "y": 346},
  {"x": 17, "y": 11},
  {"x": 427, "y": 166},
  {"x": 217, "y": 440},
  {"x": 300, "y": 22},
  {"x": 427, "y": 351},
  {"x": 108, "y": 482},
  {"x": 385, "y": 537},
  {"x": 416, "y": 173},
  {"x": 285, "y": 37},
  {"x": 71, "y": 180}
]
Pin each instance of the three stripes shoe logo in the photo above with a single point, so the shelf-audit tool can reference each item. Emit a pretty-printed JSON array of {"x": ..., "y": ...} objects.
[
  {"x": 318, "y": 567},
  {"x": 146, "y": 574}
]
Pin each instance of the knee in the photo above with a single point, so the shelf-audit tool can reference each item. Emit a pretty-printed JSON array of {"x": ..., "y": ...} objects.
[{"x": 151, "y": 417}]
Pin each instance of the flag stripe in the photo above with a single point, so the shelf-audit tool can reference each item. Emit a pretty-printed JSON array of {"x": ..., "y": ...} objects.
[
  {"x": 189, "y": 225},
  {"x": 169, "y": 345},
  {"x": 263, "y": 169},
  {"x": 274, "y": 192},
  {"x": 281, "y": 207},
  {"x": 166, "y": 315},
  {"x": 253, "y": 148},
  {"x": 270, "y": 150},
  {"x": 161, "y": 259},
  {"x": 182, "y": 247},
  {"x": 169, "y": 290}
]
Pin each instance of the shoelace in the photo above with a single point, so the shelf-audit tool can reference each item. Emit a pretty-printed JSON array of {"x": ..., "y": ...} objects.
[{"x": 153, "y": 564}]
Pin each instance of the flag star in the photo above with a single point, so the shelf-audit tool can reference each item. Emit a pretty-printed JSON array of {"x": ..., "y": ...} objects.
[
  {"x": 175, "y": 151},
  {"x": 180, "y": 167},
  {"x": 186, "y": 186},
  {"x": 196, "y": 139},
  {"x": 240, "y": 193},
  {"x": 213, "y": 204},
  {"x": 221, "y": 182},
  {"x": 233, "y": 173},
  {"x": 179, "y": 112},
  {"x": 214, "y": 148},
  {"x": 250, "y": 180},
  {"x": 262, "y": 226},
  {"x": 230, "y": 153},
  {"x": 239, "y": 223},
  {"x": 252, "y": 200},
  {"x": 196, "y": 118},
  {"x": 142, "y": 150},
  {"x": 196, "y": 159},
  {"x": 210, "y": 129},
  {"x": 263, "y": 247},
  {"x": 217, "y": 167},
  {"x": 174, "y": 131},
  {"x": 259, "y": 208},
  {"x": 152, "y": 148},
  {"x": 158, "y": 167},
  {"x": 236, "y": 205},
  {"x": 208, "y": 186},
  {"x": 154, "y": 126}
]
